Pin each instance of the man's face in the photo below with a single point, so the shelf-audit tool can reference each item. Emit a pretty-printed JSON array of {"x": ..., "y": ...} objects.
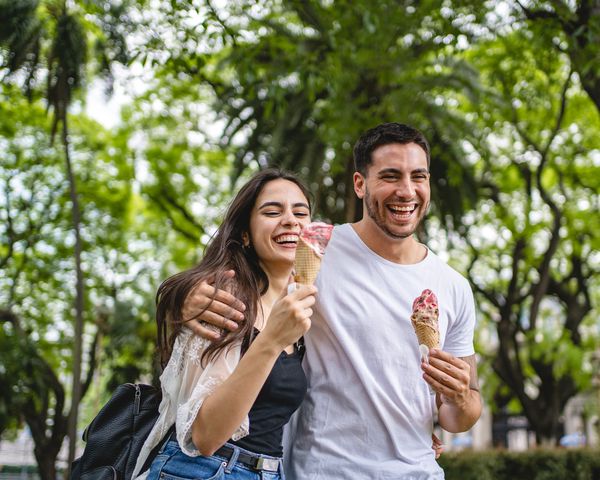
[{"x": 396, "y": 190}]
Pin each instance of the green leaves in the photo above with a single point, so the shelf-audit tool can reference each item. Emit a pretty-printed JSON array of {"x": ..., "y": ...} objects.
[
  {"x": 66, "y": 61},
  {"x": 22, "y": 32}
]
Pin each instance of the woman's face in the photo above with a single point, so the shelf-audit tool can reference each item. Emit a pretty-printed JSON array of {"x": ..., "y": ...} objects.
[{"x": 280, "y": 212}]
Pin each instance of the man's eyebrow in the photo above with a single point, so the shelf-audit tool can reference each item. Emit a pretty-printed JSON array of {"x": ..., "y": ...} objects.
[{"x": 395, "y": 171}]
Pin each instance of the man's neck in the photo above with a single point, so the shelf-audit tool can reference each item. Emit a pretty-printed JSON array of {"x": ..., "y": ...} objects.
[{"x": 404, "y": 251}]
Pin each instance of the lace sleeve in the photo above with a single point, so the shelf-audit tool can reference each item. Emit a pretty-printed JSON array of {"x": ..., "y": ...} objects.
[{"x": 196, "y": 382}]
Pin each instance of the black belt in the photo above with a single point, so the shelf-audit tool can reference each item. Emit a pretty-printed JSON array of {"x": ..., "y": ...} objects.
[{"x": 253, "y": 461}]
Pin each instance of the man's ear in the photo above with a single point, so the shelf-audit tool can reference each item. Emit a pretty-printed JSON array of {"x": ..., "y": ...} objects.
[{"x": 359, "y": 185}]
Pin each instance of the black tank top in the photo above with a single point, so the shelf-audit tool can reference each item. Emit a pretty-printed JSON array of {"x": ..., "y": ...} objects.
[{"x": 278, "y": 399}]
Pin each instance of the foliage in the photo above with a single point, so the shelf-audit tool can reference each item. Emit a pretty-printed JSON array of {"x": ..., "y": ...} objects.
[
  {"x": 536, "y": 277},
  {"x": 506, "y": 96},
  {"x": 294, "y": 84},
  {"x": 572, "y": 28},
  {"x": 580, "y": 464},
  {"x": 36, "y": 285}
]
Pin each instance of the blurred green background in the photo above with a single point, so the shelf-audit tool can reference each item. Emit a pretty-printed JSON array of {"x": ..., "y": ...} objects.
[{"x": 126, "y": 125}]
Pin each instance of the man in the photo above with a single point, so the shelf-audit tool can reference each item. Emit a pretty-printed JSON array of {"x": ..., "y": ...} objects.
[{"x": 369, "y": 412}]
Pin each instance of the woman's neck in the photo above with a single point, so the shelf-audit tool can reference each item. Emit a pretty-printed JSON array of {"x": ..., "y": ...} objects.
[{"x": 277, "y": 284}]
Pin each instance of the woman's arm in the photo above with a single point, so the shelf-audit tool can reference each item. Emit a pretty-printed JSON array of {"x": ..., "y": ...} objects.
[{"x": 225, "y": 409}]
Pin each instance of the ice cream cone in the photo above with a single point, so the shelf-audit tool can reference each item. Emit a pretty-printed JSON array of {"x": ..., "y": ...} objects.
[
  {"x": 427, "y": 335},
  {"x": 307, "y": 263},
  {"x": 424, "y": 319}
]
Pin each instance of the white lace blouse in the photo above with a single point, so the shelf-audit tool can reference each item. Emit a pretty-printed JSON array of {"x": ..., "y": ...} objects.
[{"x": 185, "y": 385}]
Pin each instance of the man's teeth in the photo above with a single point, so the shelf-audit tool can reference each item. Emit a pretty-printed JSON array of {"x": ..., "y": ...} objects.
[{"x": 398, "y": 209}]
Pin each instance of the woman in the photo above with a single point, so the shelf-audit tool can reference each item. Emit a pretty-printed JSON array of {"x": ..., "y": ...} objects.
[{"x": 230, "y": 399}]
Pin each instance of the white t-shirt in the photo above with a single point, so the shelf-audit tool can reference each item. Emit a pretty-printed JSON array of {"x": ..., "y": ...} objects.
[{"x": 368, "y": 413}]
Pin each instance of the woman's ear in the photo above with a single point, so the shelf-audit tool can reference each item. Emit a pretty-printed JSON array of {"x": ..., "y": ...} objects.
[{"x": 245, "y": 239}]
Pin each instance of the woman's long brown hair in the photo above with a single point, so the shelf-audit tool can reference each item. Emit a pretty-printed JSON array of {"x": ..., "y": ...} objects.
[{"x": 225, "y": 251}]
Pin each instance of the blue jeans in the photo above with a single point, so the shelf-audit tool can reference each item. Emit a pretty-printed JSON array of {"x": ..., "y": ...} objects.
[{"x": 172, "y": 464}]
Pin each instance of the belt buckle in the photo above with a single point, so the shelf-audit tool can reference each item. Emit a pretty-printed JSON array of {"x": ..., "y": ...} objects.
[{"x": 268, "y": 464}]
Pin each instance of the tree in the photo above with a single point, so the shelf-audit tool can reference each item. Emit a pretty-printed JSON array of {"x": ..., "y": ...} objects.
[
  {"x": 125, "y": 250},
  {"x": 575, "y": 31},
  {"x": 536, "y": 276},
  {"x": 294, "y": 83},
  {"x": 66, "y": 60},
  {"x": 51, "y": 31}
]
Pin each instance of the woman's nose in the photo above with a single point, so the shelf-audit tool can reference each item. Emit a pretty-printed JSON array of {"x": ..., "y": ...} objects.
[{"x": 289, "y": 219}]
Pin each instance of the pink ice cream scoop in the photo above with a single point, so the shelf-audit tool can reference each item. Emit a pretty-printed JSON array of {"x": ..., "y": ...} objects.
[
  {"x": 314, "y": 237},
  {"x": 424, "y": 319}
]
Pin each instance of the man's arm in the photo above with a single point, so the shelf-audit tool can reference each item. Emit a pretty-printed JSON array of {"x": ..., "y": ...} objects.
[
  {"x": 457, "y": 391},
  {"x": 225, "y": 311}
]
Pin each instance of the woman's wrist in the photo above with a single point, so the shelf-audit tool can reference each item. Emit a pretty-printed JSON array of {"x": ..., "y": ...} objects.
[{"x": 267, "y": 346}]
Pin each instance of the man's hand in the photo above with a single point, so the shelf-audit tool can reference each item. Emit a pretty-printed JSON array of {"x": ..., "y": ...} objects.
[
  {"x": 437, "y": 445},
  {"x": 455, "y": 382},
  {"x": 225, "y": 311}
]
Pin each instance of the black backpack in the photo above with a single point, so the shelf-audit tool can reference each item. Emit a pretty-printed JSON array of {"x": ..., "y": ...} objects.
[{"x": 116, "y": 435}]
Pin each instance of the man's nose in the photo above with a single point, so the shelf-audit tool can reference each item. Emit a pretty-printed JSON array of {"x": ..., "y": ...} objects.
[{"x": 405, "y": 188}]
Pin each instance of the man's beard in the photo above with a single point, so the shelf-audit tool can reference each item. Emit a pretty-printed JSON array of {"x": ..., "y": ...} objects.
[{"x": 380, "y": 222}]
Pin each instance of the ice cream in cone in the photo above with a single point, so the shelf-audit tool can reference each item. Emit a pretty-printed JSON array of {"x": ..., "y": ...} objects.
[
  {"x": 309, "y": 251},
  {"x": 424, "y": 319}
]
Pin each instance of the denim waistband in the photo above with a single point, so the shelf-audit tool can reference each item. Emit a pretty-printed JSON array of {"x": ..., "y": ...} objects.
[{"x": 233, "y": 454}]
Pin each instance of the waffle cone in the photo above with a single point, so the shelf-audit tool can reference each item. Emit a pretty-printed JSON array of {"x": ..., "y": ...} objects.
[
  {"x": 427, "y": 335},
  {"x": 307, "y": 264}
]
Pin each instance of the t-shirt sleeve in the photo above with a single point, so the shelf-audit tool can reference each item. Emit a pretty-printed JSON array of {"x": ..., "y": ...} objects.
[
  {"x": 198, "y": 381},
  {"x": 459, "y": 338}
]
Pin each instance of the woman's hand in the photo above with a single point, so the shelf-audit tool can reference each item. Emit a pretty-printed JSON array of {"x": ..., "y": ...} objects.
[
  {"x": 290, "y": 317},
  {"x": 224, "y": 410}
]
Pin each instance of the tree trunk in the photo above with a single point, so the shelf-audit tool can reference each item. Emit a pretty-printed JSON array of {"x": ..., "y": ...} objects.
[
  {"x": 78, "y": 327},
  {"x": 46, "y": 461}
]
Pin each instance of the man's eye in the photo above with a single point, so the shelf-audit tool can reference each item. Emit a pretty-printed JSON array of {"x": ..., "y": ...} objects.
[
  {"x": 389, "y": 178},
  {"x": 421, "y": 176}
]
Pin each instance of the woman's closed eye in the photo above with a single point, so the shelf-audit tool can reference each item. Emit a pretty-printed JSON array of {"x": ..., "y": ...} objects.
[{"x": 271, "y": 213}]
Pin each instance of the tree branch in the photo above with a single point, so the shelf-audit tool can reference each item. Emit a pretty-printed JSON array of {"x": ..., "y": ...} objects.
[
  {"x": 230, "y": 33},
  {"x": 535, "y": 14},
  {"x": 559, "y": 118},
  {"x": 539, "y": 290},
  {"x": 10, "y": 232},
  {"x": 168, "y": 211},
  {"x": 92, "y": 362},
  {"x": 512, "y": 296}
]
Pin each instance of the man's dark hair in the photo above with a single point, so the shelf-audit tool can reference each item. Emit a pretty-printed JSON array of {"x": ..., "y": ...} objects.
[{"x": 385, "y": 134}]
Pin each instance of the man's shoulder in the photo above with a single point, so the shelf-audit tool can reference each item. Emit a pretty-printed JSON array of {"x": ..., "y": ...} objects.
[
  {"x": 445, "y": 269},
  {"x": 342, "y": 232}
]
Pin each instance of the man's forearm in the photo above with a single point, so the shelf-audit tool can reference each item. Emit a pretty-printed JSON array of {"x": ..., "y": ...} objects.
[{"x": 456, "y": 418}]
